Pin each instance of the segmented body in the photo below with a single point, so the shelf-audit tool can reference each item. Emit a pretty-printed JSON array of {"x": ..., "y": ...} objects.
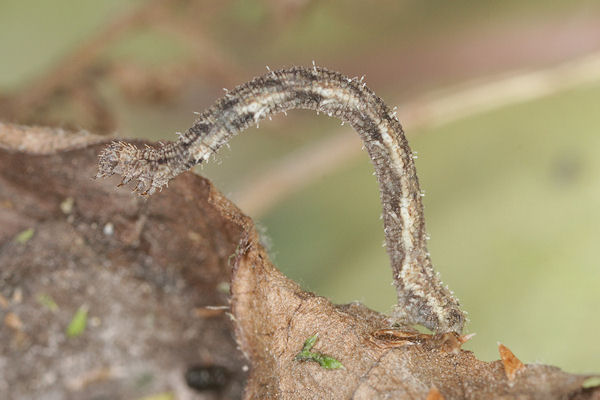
[{"x": 422, "y": 298}]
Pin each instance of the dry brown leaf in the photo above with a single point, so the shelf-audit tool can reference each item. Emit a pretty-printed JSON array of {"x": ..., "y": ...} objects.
[
  {"x": 167, "y": 273},
  {"x": 141, "y": 279},
  {"x": 274, "y": 316}
]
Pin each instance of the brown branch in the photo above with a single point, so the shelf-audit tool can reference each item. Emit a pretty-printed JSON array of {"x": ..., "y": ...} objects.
[{"x": 208, "y": 59}]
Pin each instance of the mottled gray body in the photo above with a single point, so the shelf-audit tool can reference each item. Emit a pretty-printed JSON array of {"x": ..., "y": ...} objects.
[{"x": 422, "y": 298}]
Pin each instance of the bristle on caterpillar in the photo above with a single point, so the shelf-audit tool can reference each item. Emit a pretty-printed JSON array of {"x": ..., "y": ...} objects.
[{"x": 146, "y": 167}]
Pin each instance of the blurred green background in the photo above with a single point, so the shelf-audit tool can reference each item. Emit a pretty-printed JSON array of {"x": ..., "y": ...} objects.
[{"x": 513, "y": 189}]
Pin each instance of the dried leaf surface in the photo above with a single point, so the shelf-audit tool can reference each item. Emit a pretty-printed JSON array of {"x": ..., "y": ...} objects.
[
  {"x": 274, "y": 317},
  {"x": 148, "y": 269},
  {"x": 139, "y": 267}
]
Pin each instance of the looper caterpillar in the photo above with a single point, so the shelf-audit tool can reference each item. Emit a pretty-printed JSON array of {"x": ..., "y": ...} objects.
[{"x": 422, "y": 298}]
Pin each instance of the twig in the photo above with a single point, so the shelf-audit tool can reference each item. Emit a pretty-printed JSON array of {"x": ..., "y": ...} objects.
[
  {"x": 207, "y": 56},
  {"x": 63, "y": 75}
]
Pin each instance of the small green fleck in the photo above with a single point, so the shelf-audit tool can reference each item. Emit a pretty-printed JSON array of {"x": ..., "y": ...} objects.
[
  {"x": 159, "y": 396},
  {"x": 24, "y": 236},
  {"x": 591, "y": 382},
  {"x": 330, "y": 363},
  {"x": 323, "y": 360},
  {"x": 78, "y": 323},
  {"x": 310, "y": 342},
  {"x": 47, "y": 302},
  {"x": 144, "y": 380},
  {"x": 223, "y": 287}
]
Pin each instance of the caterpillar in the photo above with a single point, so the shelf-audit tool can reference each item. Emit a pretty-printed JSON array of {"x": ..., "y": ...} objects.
[{"x": 422, "y": 298}]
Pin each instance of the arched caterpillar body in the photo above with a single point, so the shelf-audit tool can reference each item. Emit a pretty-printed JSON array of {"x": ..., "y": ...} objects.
[{"x": 422, "y": 298}]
